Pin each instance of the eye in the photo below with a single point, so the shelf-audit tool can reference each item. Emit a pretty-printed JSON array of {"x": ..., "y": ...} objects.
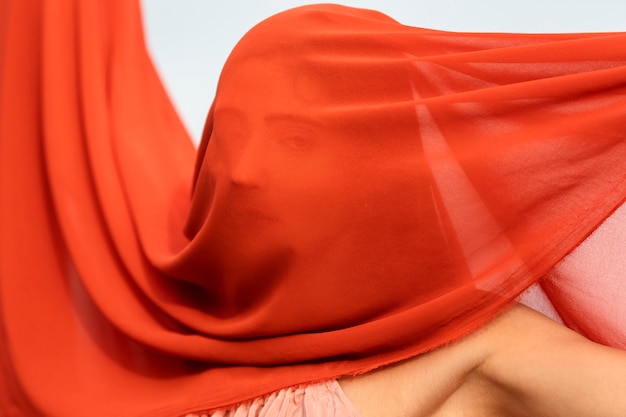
[{"x": 297, "y": 141}]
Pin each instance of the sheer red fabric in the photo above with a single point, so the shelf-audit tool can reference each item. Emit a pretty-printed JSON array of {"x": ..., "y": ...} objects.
[{"x": 364, "y": 192}]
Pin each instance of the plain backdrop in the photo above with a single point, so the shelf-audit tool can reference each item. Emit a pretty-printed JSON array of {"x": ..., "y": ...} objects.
[{"x": 190, "y": 39}]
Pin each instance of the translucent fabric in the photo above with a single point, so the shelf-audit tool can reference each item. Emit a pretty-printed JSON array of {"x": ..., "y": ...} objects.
[
  {"x": 364, "y": 192},
  {"x": 591, "y": 280}
]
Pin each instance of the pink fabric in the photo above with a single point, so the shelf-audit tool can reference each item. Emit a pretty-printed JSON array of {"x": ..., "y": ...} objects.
[
  {"x": 597, "y": 268},
  {"x": 325, "y": 399}
]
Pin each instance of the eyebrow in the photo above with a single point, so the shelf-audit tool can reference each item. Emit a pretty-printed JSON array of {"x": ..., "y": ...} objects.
[
  {"x": 292, "y": 118},
  {"x": 270, "y": 118}
]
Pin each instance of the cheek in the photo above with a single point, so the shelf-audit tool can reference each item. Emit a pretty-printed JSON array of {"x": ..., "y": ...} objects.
[
  {"x": 329, "y": 194},
  {"x": 216, "y": 159},
  {"x": 315, "y": 189}
]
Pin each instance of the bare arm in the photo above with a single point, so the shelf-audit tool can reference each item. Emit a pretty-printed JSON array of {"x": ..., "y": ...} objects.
[{"x": 546, "y": 369}]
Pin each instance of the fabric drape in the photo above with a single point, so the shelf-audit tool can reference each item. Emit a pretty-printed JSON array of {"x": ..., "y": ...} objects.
[{"x": 364, "y": 192}]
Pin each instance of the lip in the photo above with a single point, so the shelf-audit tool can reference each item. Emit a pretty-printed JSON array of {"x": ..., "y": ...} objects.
[{"x": 236, "y": 207}]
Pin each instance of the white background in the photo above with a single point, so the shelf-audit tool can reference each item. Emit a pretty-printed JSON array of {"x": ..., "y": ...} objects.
[{"x": 190, "y": 39}]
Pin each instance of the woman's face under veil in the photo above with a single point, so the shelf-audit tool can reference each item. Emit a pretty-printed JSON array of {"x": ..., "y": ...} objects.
[
  {"x": 285, "y": 178},
  {"x": 296, "y": 189}
]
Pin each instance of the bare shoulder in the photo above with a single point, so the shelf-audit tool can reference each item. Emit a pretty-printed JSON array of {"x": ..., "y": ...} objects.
[
  {"x": 521, "y": 364},
  {"x": 544, "y": 369},
  {"x": 444, "y": 382}
]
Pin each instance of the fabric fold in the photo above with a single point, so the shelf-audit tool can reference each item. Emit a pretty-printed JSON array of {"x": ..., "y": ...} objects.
[{"x": 364, "y": 192}]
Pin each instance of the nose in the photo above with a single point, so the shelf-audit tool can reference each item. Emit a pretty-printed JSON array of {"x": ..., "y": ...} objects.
[{"x": 250, "y": 167}]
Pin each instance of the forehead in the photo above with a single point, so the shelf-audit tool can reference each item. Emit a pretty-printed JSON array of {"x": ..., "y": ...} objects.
[{"x": 256, "y": 84}]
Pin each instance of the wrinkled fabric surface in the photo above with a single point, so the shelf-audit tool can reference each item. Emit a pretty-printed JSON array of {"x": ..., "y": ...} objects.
[
  {"x": 325, "y": 399},
  {"x": 364, "y": 192}
]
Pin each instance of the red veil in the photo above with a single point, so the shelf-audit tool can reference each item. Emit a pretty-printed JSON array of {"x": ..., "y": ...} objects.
[{"x": 364, "y": 192}]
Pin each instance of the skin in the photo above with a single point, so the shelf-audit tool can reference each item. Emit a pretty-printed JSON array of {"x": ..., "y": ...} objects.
[{"x": 523, "y": 364}]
